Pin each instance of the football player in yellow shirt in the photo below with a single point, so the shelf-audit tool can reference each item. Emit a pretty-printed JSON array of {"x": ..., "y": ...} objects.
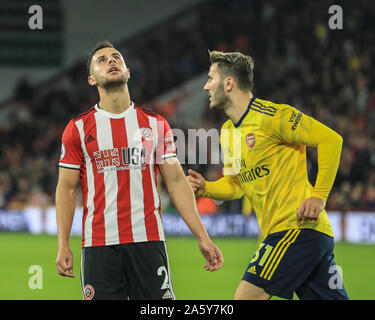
[{"x": 264, "y": 149}]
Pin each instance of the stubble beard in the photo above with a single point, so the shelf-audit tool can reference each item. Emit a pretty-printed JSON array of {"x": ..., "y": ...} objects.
[
  {"x": 221, "y": 100},
  {"x": 113, "y": 84}
]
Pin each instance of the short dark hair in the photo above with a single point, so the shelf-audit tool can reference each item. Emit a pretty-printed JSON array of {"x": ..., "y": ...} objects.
[
  {"x": 98, "y": 46},
  {"x": 237, "y": 65}
]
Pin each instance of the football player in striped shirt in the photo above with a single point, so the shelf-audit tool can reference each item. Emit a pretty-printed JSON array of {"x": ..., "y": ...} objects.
[
  {"x": 115, "y": 151},
  {"x": 264, "y": 152}
]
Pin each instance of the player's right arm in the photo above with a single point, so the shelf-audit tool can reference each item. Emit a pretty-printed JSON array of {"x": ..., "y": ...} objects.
[
  {"x": 225, "y": 189},
  {"x": 69, "y": 174},
  {"x": 66, "y": 192}
]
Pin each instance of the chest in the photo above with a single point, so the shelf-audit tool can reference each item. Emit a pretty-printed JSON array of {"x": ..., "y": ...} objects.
[
  {"x": 118, "y": 143},
  {"x": 247, "y": 146}
]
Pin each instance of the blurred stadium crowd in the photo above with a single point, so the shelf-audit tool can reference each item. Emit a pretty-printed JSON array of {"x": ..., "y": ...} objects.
[{"x": 298, "y": 60}]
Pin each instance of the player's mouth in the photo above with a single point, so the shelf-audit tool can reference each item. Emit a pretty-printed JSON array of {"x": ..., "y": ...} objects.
[{"x": 113, "y": 70}]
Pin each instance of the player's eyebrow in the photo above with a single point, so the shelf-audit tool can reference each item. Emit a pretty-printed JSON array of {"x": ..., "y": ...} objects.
[{"x": 113, "y": 54}]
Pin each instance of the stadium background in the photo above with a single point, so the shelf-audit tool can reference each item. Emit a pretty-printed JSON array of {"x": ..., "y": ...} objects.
[{"x": 298, "y": 60}]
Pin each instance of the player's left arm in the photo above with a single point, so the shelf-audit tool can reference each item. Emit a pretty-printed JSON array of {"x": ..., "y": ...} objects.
[
  {"x": 292, "y": 126},
  {"x": 182, "y": 196}
]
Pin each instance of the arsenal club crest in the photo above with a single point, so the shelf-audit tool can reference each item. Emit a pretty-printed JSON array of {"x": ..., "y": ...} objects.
[{"x": 250, "y": 140}]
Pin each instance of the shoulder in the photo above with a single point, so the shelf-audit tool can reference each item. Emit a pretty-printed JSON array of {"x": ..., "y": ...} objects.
[
  {"x": 71, "y": 127},
  {"x": 144, "y": 112},
  {"x": 275, "y": 110},
  {"x": 84, "y": 116},
  {"x": 265, "y": 107}
]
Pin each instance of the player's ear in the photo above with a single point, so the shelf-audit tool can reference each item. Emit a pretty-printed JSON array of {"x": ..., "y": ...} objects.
[
  {"x": 129, "y": 72},
  {"x": 228, "y": 84},
  {"x": 91, "y": 80}
]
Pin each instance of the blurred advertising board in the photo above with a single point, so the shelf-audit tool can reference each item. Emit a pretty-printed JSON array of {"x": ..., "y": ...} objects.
[{"x": 355, "y": 227}]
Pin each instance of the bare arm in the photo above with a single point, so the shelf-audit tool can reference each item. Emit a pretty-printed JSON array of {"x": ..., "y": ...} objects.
[
  {"x": 65, "y": 208},
  {"x": 183, "y": 198}
]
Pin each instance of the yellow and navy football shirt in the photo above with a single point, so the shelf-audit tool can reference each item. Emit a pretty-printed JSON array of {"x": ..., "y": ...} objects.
[{"x": 265, "y": 160}]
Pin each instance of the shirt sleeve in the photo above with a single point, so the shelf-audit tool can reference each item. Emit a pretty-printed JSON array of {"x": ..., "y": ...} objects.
[
  {"x": 71, "y": 151},
  {"x": 290, "y": 125},
  {"x": 165, "y": 146},
  {"x": 228, "y": 187},
  {"x": 225, "y": 189}
]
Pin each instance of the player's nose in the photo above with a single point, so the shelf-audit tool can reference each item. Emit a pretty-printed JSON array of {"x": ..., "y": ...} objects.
[{"x": 111, "y": 60}]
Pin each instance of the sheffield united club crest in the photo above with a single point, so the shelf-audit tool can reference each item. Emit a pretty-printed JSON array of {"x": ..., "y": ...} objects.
[
  {"x": 88, "y": 292},
  {"x": 146, "y": 133}
]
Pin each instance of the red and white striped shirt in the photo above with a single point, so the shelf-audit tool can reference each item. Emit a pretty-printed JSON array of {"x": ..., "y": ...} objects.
[{"x": 118, "y": 156}]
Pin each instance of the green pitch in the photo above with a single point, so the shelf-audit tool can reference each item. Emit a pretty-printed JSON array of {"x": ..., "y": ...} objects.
[{"x": 19, "y": 252}]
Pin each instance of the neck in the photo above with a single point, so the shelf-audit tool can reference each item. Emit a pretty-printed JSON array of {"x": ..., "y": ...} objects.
[
  {"x": 238, "y": 107},
  {"x": 114, "y": 101}
]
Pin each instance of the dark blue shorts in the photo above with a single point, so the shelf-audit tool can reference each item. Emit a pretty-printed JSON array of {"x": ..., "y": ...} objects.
[{"x": 297, "y": 260}]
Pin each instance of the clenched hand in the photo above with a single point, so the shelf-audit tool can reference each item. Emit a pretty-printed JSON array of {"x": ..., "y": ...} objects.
[
  {"x": 64, "y": 262},
  {"x": 310, "y": 209}
]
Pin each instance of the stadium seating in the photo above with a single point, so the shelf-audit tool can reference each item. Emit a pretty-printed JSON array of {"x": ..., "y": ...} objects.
[{"x": 298, "y": 60}]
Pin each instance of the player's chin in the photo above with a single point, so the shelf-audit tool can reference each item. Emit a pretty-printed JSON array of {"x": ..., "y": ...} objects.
[
  {"x": 218, "y": 105},
  {"x": 116, "y": 77},
  {"x": 114, "y": 81},
  {"x": 212, "y": 105}
]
